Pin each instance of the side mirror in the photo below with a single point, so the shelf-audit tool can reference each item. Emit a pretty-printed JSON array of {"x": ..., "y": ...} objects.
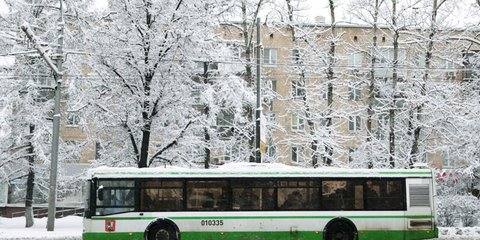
[{"x": 100, "y": 193}]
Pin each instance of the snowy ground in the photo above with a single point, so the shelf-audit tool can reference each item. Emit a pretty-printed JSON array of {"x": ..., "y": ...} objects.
[
  {"x": 460, "y": 233},
  {"x": 70, "y": 228}
]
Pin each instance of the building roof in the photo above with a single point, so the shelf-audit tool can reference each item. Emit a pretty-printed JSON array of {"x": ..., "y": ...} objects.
[
  {"x": 7, "y": 61},
  {"x": 340, "y": 24}
]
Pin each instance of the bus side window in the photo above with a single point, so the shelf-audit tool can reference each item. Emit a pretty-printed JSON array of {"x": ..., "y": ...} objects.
[
  {"x": 249, "y": 194},
  {"x": 207, "y": 195},
  {"x": 342, "y": 195},
  {"x": 298, "y": 195},
  {"x": 384, "y": 194},
  {"x": 161, "y": 195}
]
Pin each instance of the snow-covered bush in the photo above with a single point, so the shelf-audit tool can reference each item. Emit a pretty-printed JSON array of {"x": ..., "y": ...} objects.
[
  {"x": 458, "y": 210},
  {"x": 457, "y": 207}
]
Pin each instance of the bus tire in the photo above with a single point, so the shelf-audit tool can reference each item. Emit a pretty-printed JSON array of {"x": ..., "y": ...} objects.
[
  {"x": 162, "y": 230},
  {"x": 340, "y": 229}
]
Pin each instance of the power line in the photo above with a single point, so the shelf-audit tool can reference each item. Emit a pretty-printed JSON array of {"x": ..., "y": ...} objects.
[{"x": 321, "y": 66}]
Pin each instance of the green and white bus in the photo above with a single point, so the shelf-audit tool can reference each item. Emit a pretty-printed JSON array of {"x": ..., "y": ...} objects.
[{"x": 259, "y": 202}]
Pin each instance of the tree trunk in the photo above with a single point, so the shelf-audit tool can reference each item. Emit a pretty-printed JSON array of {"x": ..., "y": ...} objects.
[
  {"x": 143, "y": 162},
  {"x": 394, "y": 86},
  {"x": 206, "y": 111},
  {"x": 147, "y": 124},
  {"x": 30, "y": 182},
  {"x": 419, "y": 109},
  {"x": 247, "y": 36},
  {"x": 330, "y": 77},
  {"x": 371, "y": 87}
]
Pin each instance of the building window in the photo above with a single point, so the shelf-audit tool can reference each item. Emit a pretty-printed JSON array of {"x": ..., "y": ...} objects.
[
  {"x": 472, "y": 63},
  {"x": 270, "y": 56},
  {"x": 354, "y": 92},
  {"x": 43, "y": 78},
  {"x": 450, "y": 69},
  {"x": 324, "y": 91},
  {"x": 197, "y": 95},
  {"x": 225, "y": 118},
  {"x": 420, "y": 60},
  {"x": 351, "y": 153},
  {"x": 298, "y": 123},
  {"x": 235, "y": 50},
  {"x": 296, "y": 55},
  {"x": 73, "y": 148},
  {"x": 274, "y": 85},
  {"x": 225, "y": 122},
  {"x": 271, "y": 149},
  {"x": 98, "y": 150},
  {"x": 269, "y": 103},
  {"x": 298, "y": 89},
  {"x": 354, "y": 123},
  {"x": 323, "y": 121},
  {"x": 355, "y": 59},
  {"x": 73, "y": 118},
  {"x": 270, "y": 117},
  {"x": 447, "y": 160},
  {"x": 296, "y": 154}
]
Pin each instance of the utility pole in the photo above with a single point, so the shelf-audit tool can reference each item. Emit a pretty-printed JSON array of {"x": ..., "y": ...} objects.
[
  {"x": 57, "y": 69},
  {"x": 52, "y": 193},
  {"x": 258, "y": 154}
]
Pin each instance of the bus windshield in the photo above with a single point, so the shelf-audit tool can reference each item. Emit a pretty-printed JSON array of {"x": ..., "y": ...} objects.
[{"x": 115, "y": 196}]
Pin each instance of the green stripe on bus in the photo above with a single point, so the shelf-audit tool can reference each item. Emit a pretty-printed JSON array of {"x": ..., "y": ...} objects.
[
  {"x": 291, "y": 217},
  {"x": 297, "y": 235},
  {"x": 260, "y": 217}
]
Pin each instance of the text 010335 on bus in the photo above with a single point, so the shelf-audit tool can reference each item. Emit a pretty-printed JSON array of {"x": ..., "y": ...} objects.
[{"x": 259, "y": 201}]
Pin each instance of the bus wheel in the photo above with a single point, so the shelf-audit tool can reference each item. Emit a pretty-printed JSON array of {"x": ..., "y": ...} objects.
[
  {"x": 340, "y": 229},
  {"x": 162, "y": 232}
]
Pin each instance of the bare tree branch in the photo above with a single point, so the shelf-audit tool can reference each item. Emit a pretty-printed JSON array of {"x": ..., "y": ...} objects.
[{"x": 171, "y": 144}]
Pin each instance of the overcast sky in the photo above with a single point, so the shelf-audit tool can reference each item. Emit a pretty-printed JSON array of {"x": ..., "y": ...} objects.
[
  {"x": 315, "y": 7},
  {"x": 463, "y": 10}
]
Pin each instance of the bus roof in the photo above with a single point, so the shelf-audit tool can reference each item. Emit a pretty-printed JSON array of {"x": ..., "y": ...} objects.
[{"x": 256, "y": 170}]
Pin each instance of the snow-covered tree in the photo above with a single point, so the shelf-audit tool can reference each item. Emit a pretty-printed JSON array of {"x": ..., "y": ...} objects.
[
  {"x": 26, "y": 97},
  {"x": 148, "y": 100}
]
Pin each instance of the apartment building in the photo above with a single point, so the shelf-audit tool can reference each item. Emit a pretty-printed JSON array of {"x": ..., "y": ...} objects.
[{"x": 280, "y": 55}]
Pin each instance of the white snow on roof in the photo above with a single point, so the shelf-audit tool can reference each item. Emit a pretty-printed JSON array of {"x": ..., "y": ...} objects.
[
  {"x": 3, "y": 8},
  {"x": 4, "y": 128},
  {"x": 7, "y": 61},
  {"x": 252, "y": 170}
]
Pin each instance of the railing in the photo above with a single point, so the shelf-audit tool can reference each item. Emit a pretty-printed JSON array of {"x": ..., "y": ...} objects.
[
  {"x": 43, "y": 212},
  {"x": 22, "y": 213}
]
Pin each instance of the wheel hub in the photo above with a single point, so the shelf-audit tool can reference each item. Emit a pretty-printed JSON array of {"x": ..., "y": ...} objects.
[{"x": 162, "y": 234}]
